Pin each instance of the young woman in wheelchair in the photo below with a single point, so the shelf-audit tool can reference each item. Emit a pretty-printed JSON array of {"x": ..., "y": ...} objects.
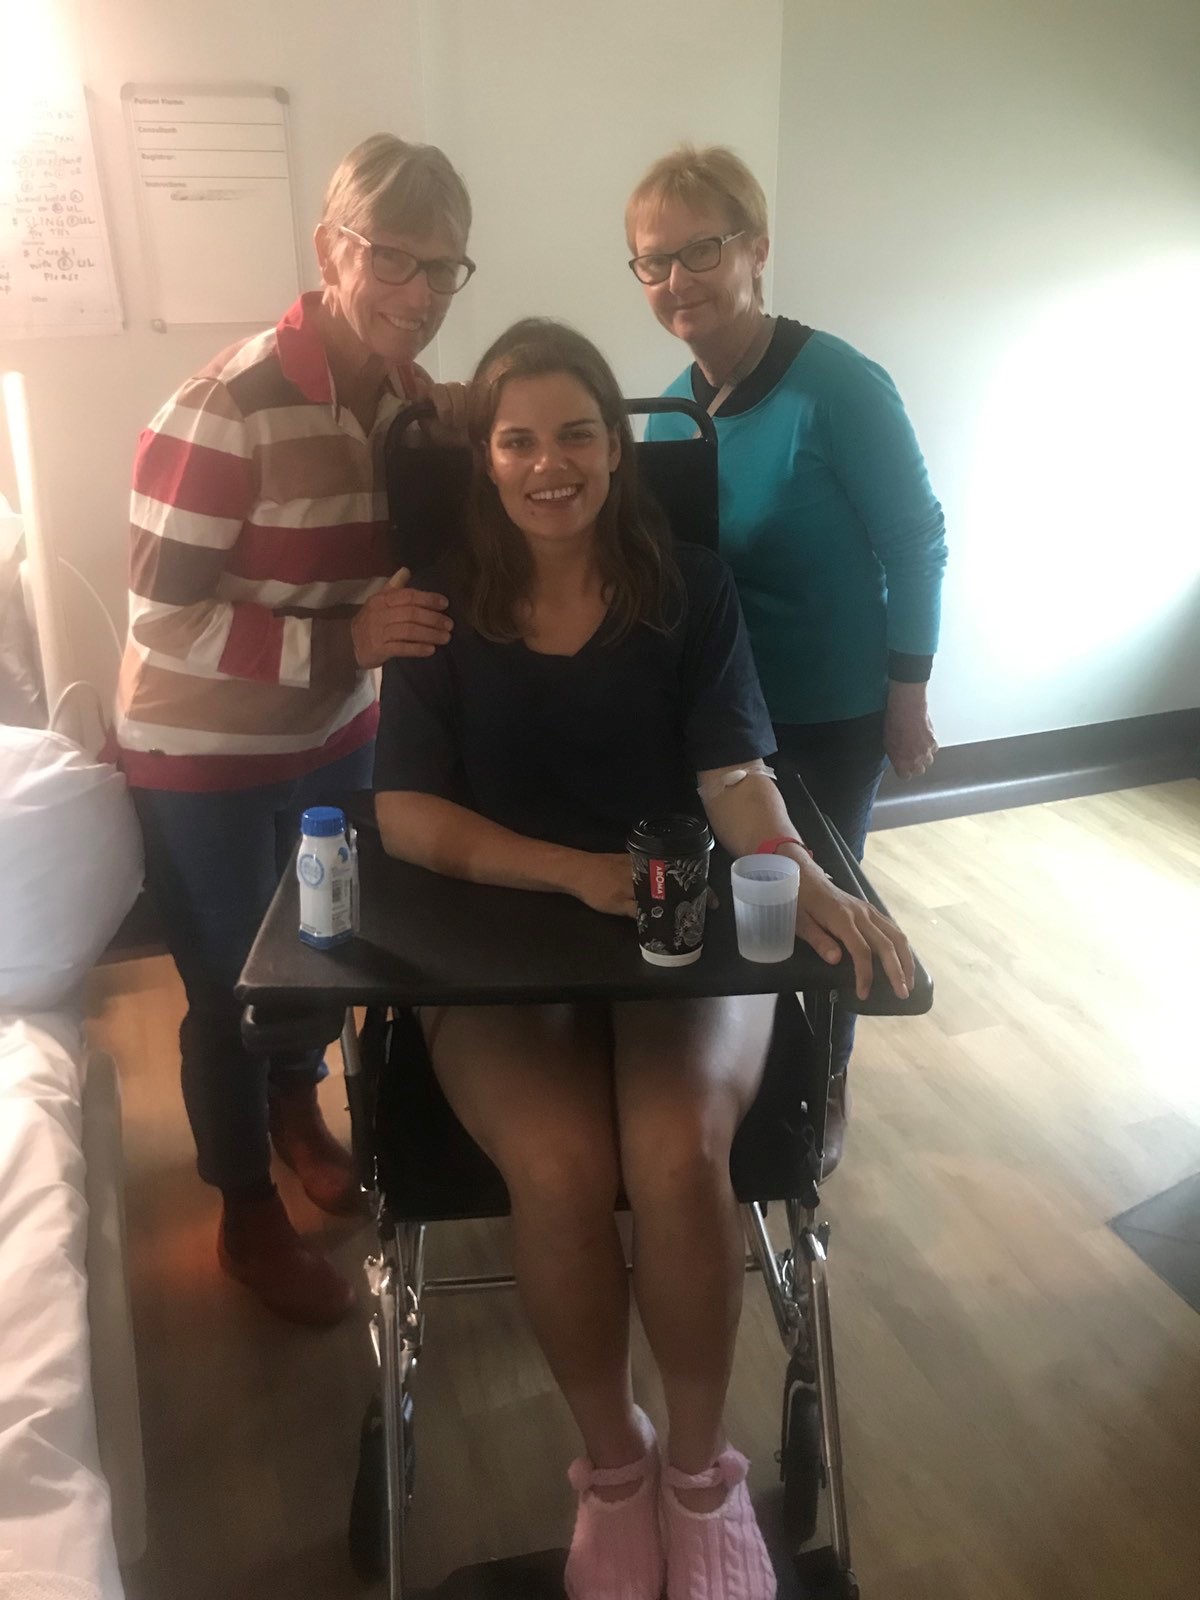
[{"x": 596, "y": 674}]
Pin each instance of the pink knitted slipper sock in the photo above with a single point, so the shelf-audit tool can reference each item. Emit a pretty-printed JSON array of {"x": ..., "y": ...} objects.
[
  {"x": 616, "y": 1551},
  {"x": 715, "y": 1555}
]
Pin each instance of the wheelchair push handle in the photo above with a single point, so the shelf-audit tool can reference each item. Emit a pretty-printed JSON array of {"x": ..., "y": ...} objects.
[
  {"x": 664, "y": 404},
  {"x": 414, "y": 411}
]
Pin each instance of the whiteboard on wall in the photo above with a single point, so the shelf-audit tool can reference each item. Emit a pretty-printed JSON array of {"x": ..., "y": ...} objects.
[
  {"x": 56, "y": 271},
  {"x": 214, "y": 187}
]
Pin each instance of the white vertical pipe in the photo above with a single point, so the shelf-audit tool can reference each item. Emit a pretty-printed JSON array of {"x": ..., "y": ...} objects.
[{"x": 57, "y": 656}]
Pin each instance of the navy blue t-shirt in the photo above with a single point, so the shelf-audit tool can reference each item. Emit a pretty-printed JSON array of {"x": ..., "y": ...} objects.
[{"x": 574, "y": 749}]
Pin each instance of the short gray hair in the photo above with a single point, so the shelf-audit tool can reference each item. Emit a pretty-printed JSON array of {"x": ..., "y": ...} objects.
[
  {"x": 389, "y": 186},
  {"x": 713, "y": 176}
]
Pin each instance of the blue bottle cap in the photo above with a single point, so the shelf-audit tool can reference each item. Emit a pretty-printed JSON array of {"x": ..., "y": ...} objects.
[{"x": 323, "y": 822}]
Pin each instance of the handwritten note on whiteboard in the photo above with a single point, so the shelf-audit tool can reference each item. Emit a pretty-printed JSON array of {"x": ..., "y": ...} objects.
[
  {"x": 56, "y": 272},
  {"x": 214, "y": 189}
]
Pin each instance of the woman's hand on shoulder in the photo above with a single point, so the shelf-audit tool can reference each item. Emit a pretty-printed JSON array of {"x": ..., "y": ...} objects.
[
  {"x": 603, "y": 882},
  {"x": 399, "y": 621},
  {"x": 450, "y": 424},
  {"x": 450, "y": 400},
  {"x": 829, "y": 920}
]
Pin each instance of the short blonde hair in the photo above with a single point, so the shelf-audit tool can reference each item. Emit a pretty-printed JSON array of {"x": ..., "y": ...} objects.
[
  {"x": 699, "y": 179},
  {"x": 389, "y": 186}
]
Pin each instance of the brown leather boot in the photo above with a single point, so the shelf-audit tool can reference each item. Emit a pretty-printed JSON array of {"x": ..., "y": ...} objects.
[
  {"x": 303, "y": 1142},
  {"x": 837, "y": 1114},
  {"x": 258, "y": 1246}
]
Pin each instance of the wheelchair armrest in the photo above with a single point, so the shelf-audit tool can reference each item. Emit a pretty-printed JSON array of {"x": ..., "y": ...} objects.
[
  {"x": 290, "y": 1032},
  {"x": 833, "y": 855}
]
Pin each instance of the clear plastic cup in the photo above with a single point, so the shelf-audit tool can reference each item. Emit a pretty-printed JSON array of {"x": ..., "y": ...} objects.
[{"x": 765, "y": 890}]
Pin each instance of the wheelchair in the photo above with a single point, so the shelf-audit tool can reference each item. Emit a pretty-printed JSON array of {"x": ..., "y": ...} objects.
[{"x": 419, "y": 1167}]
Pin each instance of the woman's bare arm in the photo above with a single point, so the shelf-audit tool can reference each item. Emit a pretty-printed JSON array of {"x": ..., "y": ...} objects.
[
  {"x": 451, "y": 839},
  {"x": 745, "y": 813}
]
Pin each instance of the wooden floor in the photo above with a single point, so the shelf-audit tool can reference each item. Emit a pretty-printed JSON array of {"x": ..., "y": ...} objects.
[{"x": 1020, "y": 1394}]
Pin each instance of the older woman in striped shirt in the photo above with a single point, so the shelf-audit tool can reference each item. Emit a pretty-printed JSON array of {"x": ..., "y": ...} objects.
[{"x": 259, "y": 603}]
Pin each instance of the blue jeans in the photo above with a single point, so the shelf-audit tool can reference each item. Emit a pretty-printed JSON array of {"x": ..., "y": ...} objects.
[
  {"x": 842, "y": 765},
  {"x": 213, "y": 862}
]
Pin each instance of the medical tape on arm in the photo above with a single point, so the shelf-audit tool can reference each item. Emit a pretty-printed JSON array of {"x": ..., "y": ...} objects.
[{"x": 711, "y": 790}]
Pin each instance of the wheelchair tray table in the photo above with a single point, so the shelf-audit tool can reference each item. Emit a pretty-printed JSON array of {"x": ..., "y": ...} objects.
[{"x": 428, "y": 940}]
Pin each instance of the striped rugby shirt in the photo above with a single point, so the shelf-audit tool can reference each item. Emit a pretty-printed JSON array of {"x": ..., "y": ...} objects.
[{"x": 259, "y": 526}]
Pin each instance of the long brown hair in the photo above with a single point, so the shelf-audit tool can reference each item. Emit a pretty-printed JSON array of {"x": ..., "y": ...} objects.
[{"x": 633, "y": 538}]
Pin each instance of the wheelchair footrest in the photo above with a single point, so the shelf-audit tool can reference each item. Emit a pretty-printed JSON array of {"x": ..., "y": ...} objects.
[
  {"x": 531, "y": 1577},
  {"x": 820, "y": 1577},
  {"x": 540, "y": 1577}
]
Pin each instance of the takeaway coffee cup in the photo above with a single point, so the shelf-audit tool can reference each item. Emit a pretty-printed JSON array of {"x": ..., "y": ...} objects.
[{"x": 670, "y": 883}]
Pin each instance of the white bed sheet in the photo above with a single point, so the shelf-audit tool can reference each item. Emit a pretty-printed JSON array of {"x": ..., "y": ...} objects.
[{"x": 55, "y": 1520}]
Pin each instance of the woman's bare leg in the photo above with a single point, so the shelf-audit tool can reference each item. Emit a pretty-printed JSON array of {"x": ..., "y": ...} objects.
[
  {"x": 533, "y": 1087},
  {"x": 685, "y": 1075}
]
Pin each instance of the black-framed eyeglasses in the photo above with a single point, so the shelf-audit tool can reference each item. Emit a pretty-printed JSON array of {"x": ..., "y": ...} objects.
[
  {"x": 702, "y": 255},
  {"x": 394, "y": 266}
]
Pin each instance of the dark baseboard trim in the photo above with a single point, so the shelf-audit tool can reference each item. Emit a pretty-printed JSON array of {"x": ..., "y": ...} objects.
[{"x": 1060, "y": 765}]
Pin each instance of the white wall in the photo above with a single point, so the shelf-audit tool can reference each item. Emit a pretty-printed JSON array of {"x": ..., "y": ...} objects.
[
  {"x": 89, "y": 397},
  {"x": 1001, "y": 203},
  {"x": 553, "y": 111},
  {"x": 999, "y": 199},
  {"x": 550, "y": 110}
]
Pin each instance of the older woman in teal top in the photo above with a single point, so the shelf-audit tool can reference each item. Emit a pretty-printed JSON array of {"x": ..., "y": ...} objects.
[{"x": 828, "y": 520}]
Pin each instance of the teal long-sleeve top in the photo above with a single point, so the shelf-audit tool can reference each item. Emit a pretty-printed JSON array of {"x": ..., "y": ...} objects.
[{"x": 828, "y": 521}]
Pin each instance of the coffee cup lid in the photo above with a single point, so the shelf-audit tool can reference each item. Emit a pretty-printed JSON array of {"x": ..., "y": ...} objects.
[{"x": 670, "y": 833}]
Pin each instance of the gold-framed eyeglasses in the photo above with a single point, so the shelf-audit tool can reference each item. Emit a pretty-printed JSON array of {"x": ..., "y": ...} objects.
[
  {"x": 394, "y": 266},
  {"x": 701, "y": 255}
]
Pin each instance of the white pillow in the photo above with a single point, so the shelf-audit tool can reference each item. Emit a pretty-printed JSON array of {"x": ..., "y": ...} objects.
[{"x": 70, "y": 865}]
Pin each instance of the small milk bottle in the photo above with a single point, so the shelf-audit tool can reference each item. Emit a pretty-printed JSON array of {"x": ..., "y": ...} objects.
[{"x": 325, "y": 868}]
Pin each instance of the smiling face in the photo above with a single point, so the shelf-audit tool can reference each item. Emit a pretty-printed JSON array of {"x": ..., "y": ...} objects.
[
  {"x": 392, "y": 321},
  {"x": 696, "y": 305},
  {"x": 551, "y": 457}
]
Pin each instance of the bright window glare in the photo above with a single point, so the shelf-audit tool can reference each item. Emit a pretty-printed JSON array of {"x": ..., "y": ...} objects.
[
  {"x": 34, "y": 62},
  {"x": 1083, "y": 498}
]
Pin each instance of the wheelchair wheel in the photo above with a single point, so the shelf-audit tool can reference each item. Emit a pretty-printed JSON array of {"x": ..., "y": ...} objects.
[
  {"x": 368, "y": 1531},
  {"x": 800, "y": 1458},
  {"x": 822, "y": 1579}
]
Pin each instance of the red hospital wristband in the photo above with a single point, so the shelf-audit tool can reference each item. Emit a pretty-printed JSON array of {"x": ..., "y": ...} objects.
[{"x": 768, "y": 847}]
